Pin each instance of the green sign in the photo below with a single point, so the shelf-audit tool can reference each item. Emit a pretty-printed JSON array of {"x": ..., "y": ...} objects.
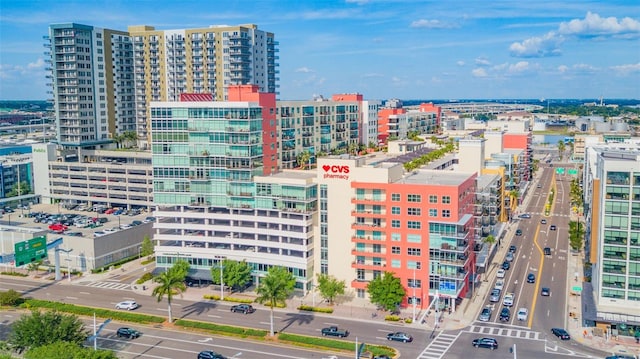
[
  {"x": 560, "y": 170},
  {"x": 30, "y": 251},
  {"x": 573, "y": 171},
  {"x": 576, "y": 289}
]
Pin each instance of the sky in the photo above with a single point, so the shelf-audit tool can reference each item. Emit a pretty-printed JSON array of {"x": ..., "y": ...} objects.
[{"x": 382, "y": 49}]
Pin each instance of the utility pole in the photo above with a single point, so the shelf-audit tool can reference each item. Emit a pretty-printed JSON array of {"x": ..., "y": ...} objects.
[{"x": 413, "y": 319}]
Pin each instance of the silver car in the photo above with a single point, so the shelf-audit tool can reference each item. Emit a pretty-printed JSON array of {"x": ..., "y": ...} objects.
[
  {"x": 485, "y": 315},
  {"x": 495, "y": 295}
]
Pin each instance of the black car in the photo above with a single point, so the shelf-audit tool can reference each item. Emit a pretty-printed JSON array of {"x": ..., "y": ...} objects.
[
  {"x": 400, "y": 337},
  {"x": 518, "y": 232},
  {"x": 208, "y": 354},
  {"x": 127, "y": 333},
  {"x": 545, "y": 292},
  {"x": 485, "y": 343},
  {"x": 383, "y": 356},
  {"x": 531, "y": 278},
  {"x": 543, "y": 221},
  {"x": 512, "y": 249},
  {"x": 506, "y": 265},
  {"x": 560, "y": 333},
  {"x": 243, "y": 308},
  {"x": 505, "y": 315},
  {"x": 553, "y": 227},
  {"x": 547, "y": 251}
]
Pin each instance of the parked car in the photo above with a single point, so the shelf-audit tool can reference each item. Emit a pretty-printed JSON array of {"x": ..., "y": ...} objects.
[
  {"x": 501, "y": 273},
  {"x": 490, "y": 343},
  {"x": 505, "y": 315},
  {"x": 508, "y": 299},
  {"x": 400, "y": 337},
  {"x": 506, "y": 265},
  {"x": 560, "y": 333},
  {"x": 545, "y": 292},
  {"x": 523, "y": 314},
  {"x": 243, "y": 308},
  {"x": 509, "y": 257},
  {"x": 127, "y": 333},
  {"x": 513, "y": 249},
  {"x": 495, "y": 296},
  {"x": 127, "y": 304},
  {"x": 136, "y": 223},
  {"x": 499, "y": 284},
  {"x": 531, "y": 278},
  {"x": 209, "y": 354},
  {"x": 485, "y": 315}
]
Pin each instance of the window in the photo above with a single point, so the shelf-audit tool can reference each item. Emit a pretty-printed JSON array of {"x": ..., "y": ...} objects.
[
  {"x": 396, "y": 263},
  {"x": 414, "y": 265},
  {"x": 414, "y": 238},
  {"x": 446, "y": 199},
  {"x": 414, "y": 198},
  {"x": 414, "y": 283},
  {"x": 395, "y": 223},
  {"x": 413, "y": 211},
  {"x": 433, "y": 212},
  {"x": 446, "y": 213},
  {"x": 395, "y": 197},
  {"x": 413, "y": 251},
  {"x": 395, "y": 210},
  {"x": 395, "y": 250},
  {"x": 433, "y": 198},
  {"x": 395, "y": 237},
  {"x": 360, "y": 274},
  {"x": 360, "y": 293},
  {"x": 414, "y": 225}
]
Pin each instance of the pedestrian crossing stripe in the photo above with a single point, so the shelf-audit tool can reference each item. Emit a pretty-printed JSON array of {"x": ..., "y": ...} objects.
[
  {"x": 110, "y": 285},
  {"x": 505, "y": 332},
  {"x": 439, "y": 346}
]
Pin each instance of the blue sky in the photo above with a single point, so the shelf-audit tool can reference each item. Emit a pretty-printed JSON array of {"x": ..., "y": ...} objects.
[{"x": 407, "y": 49}]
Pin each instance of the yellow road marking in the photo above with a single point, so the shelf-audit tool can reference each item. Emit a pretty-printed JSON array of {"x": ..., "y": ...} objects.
[{"x": 535, "y": 293}]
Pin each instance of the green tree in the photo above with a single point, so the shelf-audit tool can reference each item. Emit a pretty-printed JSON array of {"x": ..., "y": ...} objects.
[
  {"x": 236, "y": 274},
  {"x": 130, "y": 138},
  {"x": 10, "y": 297},
  {"x": 275, "y": 288},
  {"x": 386, "y": 291},
  {"x": 561, "y": 148},
  {"x": 34, "y": 266},
  {"x": 330, "y": 287},
  {"x": 170, "y": 283},
  {"x": 576, "y": 235},
  {"x": 147, "y": 246},
  {"x": 490, "y": 240},
  {"x": 66, "y": 350},
  {"x": 19, "y": 189},
  {"x": 42, "y": 328},
  {"x": 303, "y": 159},
  {"x": 118, "y": 139}
]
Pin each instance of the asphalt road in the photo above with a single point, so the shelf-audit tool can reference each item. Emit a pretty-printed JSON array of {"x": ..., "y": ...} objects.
[{"x": 291, "y": 322}]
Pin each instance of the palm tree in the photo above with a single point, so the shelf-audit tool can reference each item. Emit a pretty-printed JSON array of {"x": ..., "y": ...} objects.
[
  {"x": 561, "y": 148},
  {"x": 514, "y": 194},
  {"x": 130, "y": 137},
  {"x": 171, "y": 282},
  {"x": 303, "y": 159},
  {"x": 490, "y": 240},
  {"x": 275, "y": 288}
]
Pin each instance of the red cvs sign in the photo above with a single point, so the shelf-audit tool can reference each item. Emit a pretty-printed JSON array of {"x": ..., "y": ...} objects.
[{"x": 335, "y": 171}]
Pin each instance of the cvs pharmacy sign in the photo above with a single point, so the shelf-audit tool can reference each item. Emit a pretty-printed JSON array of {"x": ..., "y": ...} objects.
[{"x": 336, "y": 171}]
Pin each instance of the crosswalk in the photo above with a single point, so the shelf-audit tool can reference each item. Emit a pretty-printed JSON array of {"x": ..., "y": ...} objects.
[
  {"x": 439, "y": 346},
  {"x": 505, "y": 332},
  {"x": 110, "y": 285}
]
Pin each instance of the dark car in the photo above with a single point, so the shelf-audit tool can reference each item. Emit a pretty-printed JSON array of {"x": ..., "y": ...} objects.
[
  {"x": 382, "y": 357},
  {"x": 560, "y": 333},
  {"x": 208, "y": 354},
  {"x": 531, "y": 278},
  {"x": 547, "y": 251},
  {"x": 400, "y": 337},
  {"x": 545, "y": 292},
  {"x": 518, "y": 232},
  {"x": 620, "y": 356},
  {"x": 127, "y": 333},
  {"x": 513, "y": 249},
  {"x": 553, "y": 227},
  {"x": 243, "y": 308},
  {"x": 505, "y": 315},
  {"x": 485, "y": 343},
  {"x": 506, "y": 265},
  {"x": 543, "y": 221}
]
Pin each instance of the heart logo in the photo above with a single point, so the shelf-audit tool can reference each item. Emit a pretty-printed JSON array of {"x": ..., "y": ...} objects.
[{"x": 326, "y": 168}]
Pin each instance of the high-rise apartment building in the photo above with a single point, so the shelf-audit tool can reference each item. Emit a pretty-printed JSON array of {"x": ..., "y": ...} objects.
[{"x": 104, "y": 80}]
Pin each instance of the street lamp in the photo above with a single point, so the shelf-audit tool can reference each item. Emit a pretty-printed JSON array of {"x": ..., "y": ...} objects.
[{"x": 220, "y": 259}]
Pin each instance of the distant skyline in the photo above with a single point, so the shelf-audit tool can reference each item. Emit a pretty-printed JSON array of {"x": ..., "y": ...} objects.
[{"x": 407, "y": 49}]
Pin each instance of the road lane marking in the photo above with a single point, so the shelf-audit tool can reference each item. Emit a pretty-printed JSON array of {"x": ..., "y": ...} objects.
[
  {"x": 213, "y": 316},
  {"x": 85, "y": 293},
  {"x": 541, "y": 266},
  {"x": 72, "y": 298}
]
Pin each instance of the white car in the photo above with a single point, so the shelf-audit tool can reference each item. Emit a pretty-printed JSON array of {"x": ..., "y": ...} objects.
[
  {"x": 127, "y": 304},
  {"x": 111, "y": 230},
  {"x": 501, "y": 273},
  {"x": 523, "y": 314},
  {"x": 507, "y": 301},
  {"x": 499, "y": 284},
  {"x": 125, "y": 226}
]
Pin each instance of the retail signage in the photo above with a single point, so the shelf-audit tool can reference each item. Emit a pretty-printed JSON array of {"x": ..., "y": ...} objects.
[{"x": 336, "y": 171}]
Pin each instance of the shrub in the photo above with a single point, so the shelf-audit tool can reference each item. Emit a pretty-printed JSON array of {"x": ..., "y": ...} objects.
[
  {"x": 316, "y": 342},
  {"x": 89, "y": 311},
  {"x": 145, "y": 277},
  {"x": 10, "y": 297},
  {"x": 15, "y": 274},
  {"x": 238, "y": 331},
  {"x": 147, "y": 261},
  {"x": 228, "y": 299},
  {"x": 309, "y": 308},
  {"x": 392, "y": 318}
]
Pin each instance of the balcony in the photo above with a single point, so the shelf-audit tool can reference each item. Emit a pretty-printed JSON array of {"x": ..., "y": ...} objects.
[{"x": 368, "y": 265}]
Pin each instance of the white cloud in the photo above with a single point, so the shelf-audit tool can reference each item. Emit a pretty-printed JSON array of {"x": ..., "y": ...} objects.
[
  {"x": 548, "y": 45},
  {"x": 431, "y": 24},
  {"x": 593, "y": 25},
  {"x": 460, "y": 63},
  {"x": 36, "y": 65},
  {"x": 584, "y": 68},
  {"x": 304, "y": 69},
  {"x": 482, "y": 61},
  {"x": 373, "y": 74},
  {"x": 358, "y": 2},
  {"x": 479, "y": 72},
  {"x": 626, "y": 69},
  {"x": 563, "y": 68}
]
